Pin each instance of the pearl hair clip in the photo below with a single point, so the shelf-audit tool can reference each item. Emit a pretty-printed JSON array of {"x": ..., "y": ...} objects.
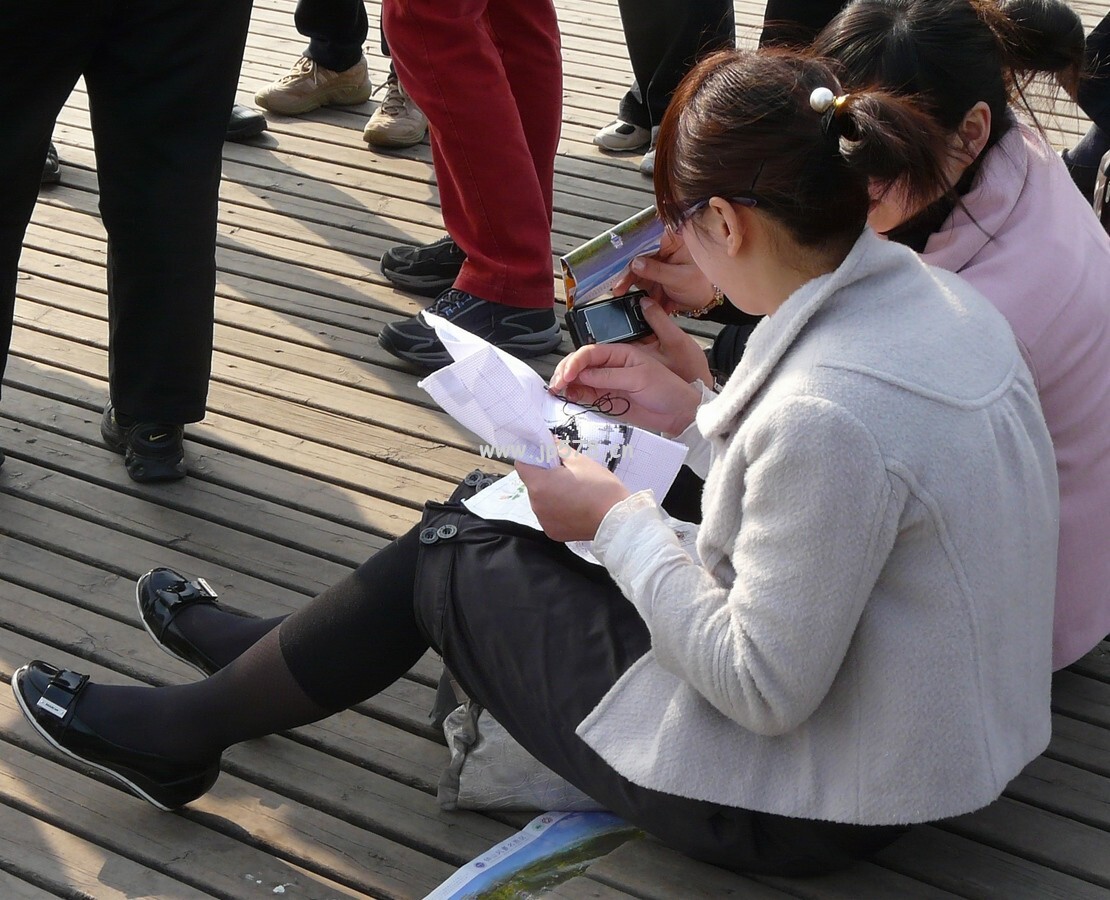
[{"x": 822, "y": 99}]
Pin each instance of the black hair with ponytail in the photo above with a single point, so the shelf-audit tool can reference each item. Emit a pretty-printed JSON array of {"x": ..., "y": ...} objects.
[
  {"x": 746, "y": 123},
  {"x": 951, "y": 54}
]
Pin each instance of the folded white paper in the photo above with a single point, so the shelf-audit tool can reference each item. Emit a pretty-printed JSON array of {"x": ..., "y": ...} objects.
[{"x": 507, "y": 405}]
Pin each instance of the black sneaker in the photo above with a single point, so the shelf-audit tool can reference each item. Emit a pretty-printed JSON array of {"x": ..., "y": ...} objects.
[
  {"x": 152, "y": 451},
  {"x": 521, "y": 332},
  {"x": 428, "y": 270},
  {"x": 51, "y": 167}
]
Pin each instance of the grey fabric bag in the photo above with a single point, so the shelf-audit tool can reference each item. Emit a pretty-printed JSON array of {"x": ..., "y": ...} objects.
[{"x": 490, "y": 770}]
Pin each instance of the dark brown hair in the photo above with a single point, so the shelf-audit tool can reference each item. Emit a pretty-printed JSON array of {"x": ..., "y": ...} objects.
[
  {"x": 742, "y": 123},
  {"x": 951, "y": 54}
]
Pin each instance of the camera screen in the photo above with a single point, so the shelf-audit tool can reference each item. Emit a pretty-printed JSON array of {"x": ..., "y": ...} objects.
[{"x": 607, "y": 321}]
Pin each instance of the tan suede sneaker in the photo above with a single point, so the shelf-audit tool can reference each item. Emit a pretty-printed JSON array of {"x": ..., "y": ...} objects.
[
  {"x": 398, "y": 122},
  {"x": 309, "y": 86}
]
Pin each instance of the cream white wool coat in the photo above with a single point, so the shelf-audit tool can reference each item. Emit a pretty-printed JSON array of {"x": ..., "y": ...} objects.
[{"x": 868, "y": 635}]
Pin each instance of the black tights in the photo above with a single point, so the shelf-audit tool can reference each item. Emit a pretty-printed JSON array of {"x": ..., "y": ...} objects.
[{"x": 356, "y": 638}]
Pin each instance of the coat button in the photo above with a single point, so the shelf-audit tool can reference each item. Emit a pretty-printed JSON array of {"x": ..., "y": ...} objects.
[
  {"x": 447, "y": 531},
  {"x": 428, "y": 536}
]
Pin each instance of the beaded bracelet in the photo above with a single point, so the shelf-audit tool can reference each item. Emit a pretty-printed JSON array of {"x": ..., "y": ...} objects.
[{"x": 718, "y": 299}]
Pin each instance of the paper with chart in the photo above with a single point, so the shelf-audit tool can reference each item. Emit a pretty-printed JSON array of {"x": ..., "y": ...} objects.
[{"x": 506, "y": 403}]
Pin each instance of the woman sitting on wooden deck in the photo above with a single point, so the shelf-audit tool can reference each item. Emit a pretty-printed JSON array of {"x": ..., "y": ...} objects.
[{"x": 865, "y": 641}]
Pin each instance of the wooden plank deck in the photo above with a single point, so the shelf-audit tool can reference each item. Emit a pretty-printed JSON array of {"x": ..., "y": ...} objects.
[{"x": 319, "y": 448}]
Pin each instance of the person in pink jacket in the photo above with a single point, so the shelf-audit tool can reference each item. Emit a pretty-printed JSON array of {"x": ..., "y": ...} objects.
[{"x": 1014, "y": 226}]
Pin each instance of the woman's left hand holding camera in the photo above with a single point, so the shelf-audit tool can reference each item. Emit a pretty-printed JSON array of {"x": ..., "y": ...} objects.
[
  {"x": 571, "y": 499},
  {"x": 657, "y": 398}
]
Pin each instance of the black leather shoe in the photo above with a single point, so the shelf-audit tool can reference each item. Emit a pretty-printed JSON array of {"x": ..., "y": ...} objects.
[
  {"x": 151, "y": 451},
  {"x": 50, "y": 699},
  {"x": 51, "y": 167},
  {"x": 161, "y": 595},
  {"x": 244, "y": 123}
]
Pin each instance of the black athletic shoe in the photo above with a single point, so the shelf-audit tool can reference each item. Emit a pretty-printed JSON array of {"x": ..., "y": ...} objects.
[
  {"x": 152, "y": 451},
  {"x": 428, "y": 270},
  {"x": 51, "y": 167},
  {"x": 521, "y": 332},
  {"x": 244, "y": 124}
]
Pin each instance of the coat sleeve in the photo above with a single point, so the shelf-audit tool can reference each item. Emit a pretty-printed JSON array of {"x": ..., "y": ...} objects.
[{"x": 817, "y": 518}]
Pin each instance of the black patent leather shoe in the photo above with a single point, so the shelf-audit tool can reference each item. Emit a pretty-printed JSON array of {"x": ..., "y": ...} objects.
[
  {"x": 50, "y": 699},
  {"x": 161, "y": 595},
  {"x": 244, "y": 123}
]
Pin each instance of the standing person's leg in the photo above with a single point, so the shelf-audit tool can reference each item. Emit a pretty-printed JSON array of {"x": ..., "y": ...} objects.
[
  {"x": 664, "y": 39},
  {"x": 180, "y": 62},
  {"x": 336, "y": 31},
  {"x": 332, "y": 71},
  {"x": 796, "y": 22},
  {"x": 47, "y": 44},
  {"x": 398, "y": 121},
  {"x": 527, "y": 36},
  {"x": 1094, "y": 99},
  {"x": 495, "y": 196}
]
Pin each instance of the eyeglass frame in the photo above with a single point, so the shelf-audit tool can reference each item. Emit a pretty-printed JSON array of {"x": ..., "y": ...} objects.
[
  {"x": 692, "y": 211},
  {"x": 749, "y": 199}
]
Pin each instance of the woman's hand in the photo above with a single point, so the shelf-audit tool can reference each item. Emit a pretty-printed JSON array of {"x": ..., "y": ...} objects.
[
  {"x": 571, "y": 499},
  {"x": 657, "y": 398},
  {"x": 673, "y": 347},
  {"x": 670, "y": 277}
]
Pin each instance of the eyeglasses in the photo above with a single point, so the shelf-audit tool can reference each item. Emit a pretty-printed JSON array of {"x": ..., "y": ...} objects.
[
  {"x": 748, "y": 198},
  {"x": 702, "y": 204}
]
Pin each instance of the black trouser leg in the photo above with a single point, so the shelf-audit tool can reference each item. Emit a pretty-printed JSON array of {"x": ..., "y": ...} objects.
[
  {"x": 161, "y": 88},
  {"x": 1094, "y": 90},
  {"x": 336, "y": 31},
  {"x": 45, "y": 48},
  {"x": 665, "y": 38},
  {"x": 796, "y": 22}
]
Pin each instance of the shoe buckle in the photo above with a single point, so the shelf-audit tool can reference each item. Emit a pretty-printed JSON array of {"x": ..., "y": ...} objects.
[{"x": 60, "y": 693}]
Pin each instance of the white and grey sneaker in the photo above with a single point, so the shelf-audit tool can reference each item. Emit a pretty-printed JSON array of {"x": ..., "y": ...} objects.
[{"x": 621, "y": 135}]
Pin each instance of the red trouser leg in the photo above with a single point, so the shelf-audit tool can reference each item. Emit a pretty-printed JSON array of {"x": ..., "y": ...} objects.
[{"x": 488, "y": 75}]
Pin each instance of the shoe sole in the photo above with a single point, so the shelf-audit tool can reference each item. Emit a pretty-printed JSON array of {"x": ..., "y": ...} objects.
[
  {"x": 424, "y": 285},
  {"x": 144, "y": 470},
  {"x": 622, "y": 148},
  {"x": 244, "y": 134},
  {"x": 153, "y": 636},
  {"x": 527, "y": 348},
  {"x": 29, "y": 716},
  {"x": 376, "y": 140},
  {"x": 338, "y": 97}
]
